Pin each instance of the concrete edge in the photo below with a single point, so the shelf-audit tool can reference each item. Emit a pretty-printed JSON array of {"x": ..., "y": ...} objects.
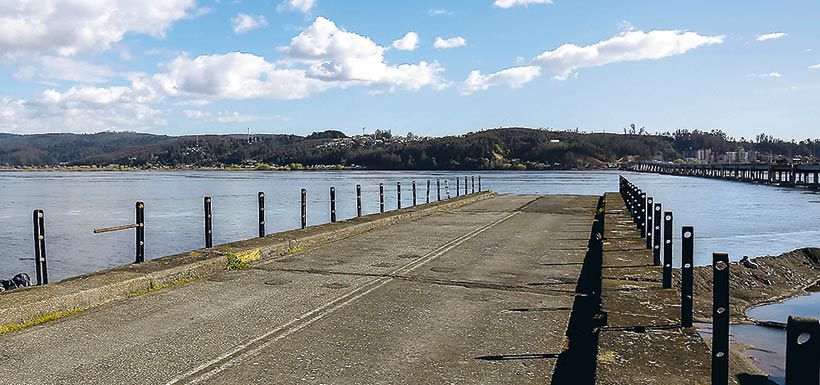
[{"x": 95, "y": 289}]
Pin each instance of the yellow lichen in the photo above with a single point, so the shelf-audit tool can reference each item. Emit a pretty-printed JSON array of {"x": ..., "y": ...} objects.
[{"x": 4, "y": 329}]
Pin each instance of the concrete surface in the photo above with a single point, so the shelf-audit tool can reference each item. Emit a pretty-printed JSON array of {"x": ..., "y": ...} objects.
[{"x": 478, "y": 294}]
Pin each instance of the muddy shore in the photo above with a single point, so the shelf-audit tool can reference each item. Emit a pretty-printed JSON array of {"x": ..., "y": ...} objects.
[{"x": 760, "y": 281}]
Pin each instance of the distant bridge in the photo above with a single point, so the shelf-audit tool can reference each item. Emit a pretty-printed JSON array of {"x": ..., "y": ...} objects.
[{"x": 790, "y": 175}]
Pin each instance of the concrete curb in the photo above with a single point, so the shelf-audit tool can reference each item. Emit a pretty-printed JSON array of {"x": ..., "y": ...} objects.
[{"x": 95, "y": 289}]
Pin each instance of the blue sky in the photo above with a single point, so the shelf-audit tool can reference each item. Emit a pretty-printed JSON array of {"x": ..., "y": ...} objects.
[{"x": 431, "y": 67}]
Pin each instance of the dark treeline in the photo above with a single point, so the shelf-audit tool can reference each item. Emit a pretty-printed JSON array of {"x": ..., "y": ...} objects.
[{"x": 502, "y": 148}]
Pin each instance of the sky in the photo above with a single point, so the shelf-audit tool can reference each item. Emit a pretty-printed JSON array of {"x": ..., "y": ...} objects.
[{"x": 181, "y": 67}]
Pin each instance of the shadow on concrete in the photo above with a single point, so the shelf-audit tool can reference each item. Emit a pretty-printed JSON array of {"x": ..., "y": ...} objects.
[
  {"x": 750, "y": 379},
  {"x": 509, "y": 357},
  {"x": 577, "y": 364}
]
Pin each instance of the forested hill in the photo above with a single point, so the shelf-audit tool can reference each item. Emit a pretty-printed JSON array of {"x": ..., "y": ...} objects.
[{"x": 502, "y": 148}]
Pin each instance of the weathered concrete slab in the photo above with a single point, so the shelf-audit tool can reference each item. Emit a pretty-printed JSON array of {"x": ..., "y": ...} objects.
[{"x": 481, "y": 294}]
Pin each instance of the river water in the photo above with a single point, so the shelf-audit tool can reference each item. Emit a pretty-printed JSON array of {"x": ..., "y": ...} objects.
[{"x": 738, "y": 218}]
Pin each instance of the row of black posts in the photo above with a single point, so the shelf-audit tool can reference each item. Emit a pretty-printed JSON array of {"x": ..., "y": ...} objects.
[
  {"x": 802, "y": 334},
  {"x": 41, "y": 269}
]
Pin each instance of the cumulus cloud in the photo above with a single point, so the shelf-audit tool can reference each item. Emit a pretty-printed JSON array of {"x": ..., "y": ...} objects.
[
  {"x": 512, "y": 3},
  {"x": 452, "y": 42},
  {"x": 409, "y": 42},
  {"x": 303, "y": 6},
  {"x": 336, "y": 55},
  {"x": 81, "y": 109},
  {"x": 771, "y": 36},
  {"x": 69, "y": 27},
  {"x": 242, "y": 23},
  {"x": 58, "y": 68},
  {"x": 514, "y": 77},
  {"x": 235, "y": 76},
  {"x": 439, "y": 12},
  {"x": 229, "y": 117},
  {"x": 814, "y": 67},
  {"x": 768, "y": 75},
  {"x": 624, "y": 47}
]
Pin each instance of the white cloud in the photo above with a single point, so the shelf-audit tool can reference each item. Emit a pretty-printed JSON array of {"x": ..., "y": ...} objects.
[
  {"x": 568, "y": 58},
  {"x": 336, "y": 55},
  {"x": 69, "y": 27},
  {"x": 83, "y": 109},
  {"x": 303, "y": 6},
  {"x": 771, "y": 36},
  {"x": 768, "y": 75},
  {"x": 624, "y": 47},
  {"x": 409, "y": 42},
  {"x": 234, "y": 76},
  {"x": 242, "y": 23},
  {"x": 229, "y": 117},
  {"x": 452, "y": 42},
  {"x": 514, "y": 77},
  {"x": 50, "y": 68},
  {"x": 512, "y": 3},
  {"x": 439, "y": 12},
  {"x": 815, "y": 67}
]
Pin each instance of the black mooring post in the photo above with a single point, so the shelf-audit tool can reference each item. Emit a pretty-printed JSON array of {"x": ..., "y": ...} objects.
[
  {"x": 643, "y": 209},
  {"x": 446, "y": 189},
  {"x": 458, "y": 186},
  {"x": 687, "y": 276},
  {"x": 465, "y": 186},
  {"x": 667, "y": 250},
  {"x": 643, "y": 201},
  {"x": 304, "y": 208},
  {"x": 802, "y": 351},
  {"x": 398, "y": 195},
  {"x": 438, "y": 189},
  {"x": 414, "y": 193},
  {"x": 208, "y": 223},
  {"x": 261, "y": 197},
  {"x": 649, "y": 226},
  {"x": 720, "y": 319},
  {"x": 428, "y": 190},
  {"x": 140, "y": 208},
  {"x": 40, "y": 267},
  {"x": 381, "y": 197},
  {"x": 358, "y": 200},
  {"x": 656, "y": 234},
  {"x": 479, "y": 183},
  {"x": 333, "y": 204},
  {"x": 473, "y": 180}
]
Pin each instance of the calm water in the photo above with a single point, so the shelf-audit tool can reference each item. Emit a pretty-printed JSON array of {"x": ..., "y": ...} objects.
[{"x": 738, "y": 218}]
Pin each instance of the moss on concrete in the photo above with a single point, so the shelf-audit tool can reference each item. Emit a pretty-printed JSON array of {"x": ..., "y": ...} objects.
[{"x": 5, "y": 329}]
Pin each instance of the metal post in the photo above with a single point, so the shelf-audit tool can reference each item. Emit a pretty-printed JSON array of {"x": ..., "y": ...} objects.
[
  {"x": 140, "y": 208},
  {"x": 687, "y": 276},
  {"x": 261, "y": 196},
  {"x": 381, "y": 197},
  {"x": 398, "y": 195},
  {"x": 649, "y": 218},
  {"x": 802, "y": 351},
  {"x": 40, "y": 267},
  {"x": 428, "y": 190},
  {"x": 458, "y": 186},
  {"x": 479, "y": 183},
  {"x": 473, "y": 180},
  {"x": 208, "y": 223},
  {"x": 656, "y": 235},
  {"x": 465, "y": 186},
  {"x": 438, "y": 189},
  {"x": 642, "y": 199},
  {"x": 720, "y": 319},
  {"x": 667, "y": 250},
  {"x": 414, "y": 193},
  {"x": 358, "y": 200},
  {"x": 447, "y": 189},
  {"x": 333, "y": 204},
  {"x": 304, "y": 208}
]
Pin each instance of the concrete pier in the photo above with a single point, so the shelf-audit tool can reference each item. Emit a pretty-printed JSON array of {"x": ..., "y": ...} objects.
[{"x": 478, "y": 294}]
